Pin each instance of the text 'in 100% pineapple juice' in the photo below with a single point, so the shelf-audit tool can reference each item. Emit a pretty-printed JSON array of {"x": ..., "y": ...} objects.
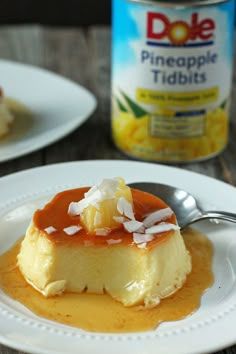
[{"x": 171, "y": 78}]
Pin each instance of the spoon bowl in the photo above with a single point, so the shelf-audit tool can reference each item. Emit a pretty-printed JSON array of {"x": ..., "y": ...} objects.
[{"x": 183, "y": 204}]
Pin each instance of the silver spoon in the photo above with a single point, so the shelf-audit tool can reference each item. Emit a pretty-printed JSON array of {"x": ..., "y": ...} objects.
[{"x": 183, "y": 204}]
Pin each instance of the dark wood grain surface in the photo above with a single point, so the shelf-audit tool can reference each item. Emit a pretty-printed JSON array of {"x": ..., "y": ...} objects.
[
  {"x": 84, "y": 56},
  {"x": 56, "y": 12}
]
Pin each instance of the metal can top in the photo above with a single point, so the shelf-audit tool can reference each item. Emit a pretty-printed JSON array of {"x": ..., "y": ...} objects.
[{"x": 180, "y": 3}]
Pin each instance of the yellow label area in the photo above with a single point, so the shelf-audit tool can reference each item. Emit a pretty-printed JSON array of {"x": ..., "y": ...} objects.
[
  {"x": 177, "y": 127},
  {"x": 150, "y": 139},
  {"x": 177, "y": 98}
]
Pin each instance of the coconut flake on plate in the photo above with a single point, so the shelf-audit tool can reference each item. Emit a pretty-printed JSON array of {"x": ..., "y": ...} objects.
[
  {"x": 162, "y": 227},
  {"x": 125, "y": 208},
  {"x": 157, "y": 216},
  {"x": 50, "y": 229},
  {"x": 133, "y": 225},
  {"x": 72, "y": 230}
]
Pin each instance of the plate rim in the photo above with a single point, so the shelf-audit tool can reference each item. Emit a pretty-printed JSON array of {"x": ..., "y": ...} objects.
[
  {"x": 64, "y": 165},
  {"x": 75, "y": 122}
]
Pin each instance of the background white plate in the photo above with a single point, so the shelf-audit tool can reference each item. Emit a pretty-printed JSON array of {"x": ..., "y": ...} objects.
[
  {"x": 209, "y": 329},
  {"x": 58, "y": 106}
]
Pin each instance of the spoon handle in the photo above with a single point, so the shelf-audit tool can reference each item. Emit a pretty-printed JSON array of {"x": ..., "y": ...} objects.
[{"x": 223, "y": 215}]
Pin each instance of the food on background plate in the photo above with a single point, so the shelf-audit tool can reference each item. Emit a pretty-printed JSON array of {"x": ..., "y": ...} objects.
[
  {"x": 106, "y": 239},
  {"x": 6, "y": 117}
]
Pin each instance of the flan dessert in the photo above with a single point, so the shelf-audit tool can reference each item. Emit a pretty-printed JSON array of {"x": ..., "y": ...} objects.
[
  {"x": 106, "y": 239},
  {"x": 6, "y": 118}
]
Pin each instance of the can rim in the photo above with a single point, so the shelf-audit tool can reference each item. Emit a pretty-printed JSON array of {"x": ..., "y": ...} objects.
[{"x": 180, "y": 3}]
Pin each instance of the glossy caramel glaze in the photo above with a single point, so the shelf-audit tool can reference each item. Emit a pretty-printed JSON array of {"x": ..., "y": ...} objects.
[
  {"x": 55, "y": 214},
  {"x": 100, "y": 313}
]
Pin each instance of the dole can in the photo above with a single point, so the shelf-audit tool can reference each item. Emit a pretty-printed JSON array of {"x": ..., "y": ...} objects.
[{"x": 171, "y": 78}]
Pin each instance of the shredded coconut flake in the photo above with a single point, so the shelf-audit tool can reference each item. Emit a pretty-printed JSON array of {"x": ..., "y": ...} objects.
[
  {"x": 76, "y": 208},
  {"x": 72, "y": 230},
  {"x": 133, "y": 225},
  {"x": 120, "y": 219},
  {"x": 102, "y": 232},
  {"x": 125, "y": 208},
  {"x": 141, "y": 238},
  {"x": 73, "y": 209},
  {"x": 50, "y": 229},
  {"x": 107, "y": 188},
  {"x": 142, "y": 245},
  {"x": 162, "y": 227},
  {"x": 157, "y": 216},
  {"x": 99, "y": 192},
  {"x": 112, "y": 241}
]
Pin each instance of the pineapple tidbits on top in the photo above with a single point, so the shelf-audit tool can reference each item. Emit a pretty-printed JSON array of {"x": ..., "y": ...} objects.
[{"x": 106, "y": 239}]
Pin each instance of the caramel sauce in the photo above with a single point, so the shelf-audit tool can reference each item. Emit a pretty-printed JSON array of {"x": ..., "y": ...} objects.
[
  {"x": 100, "y": 313},
  {"x": 55, "y": 214},
  {"x": 22, "y": 123}
]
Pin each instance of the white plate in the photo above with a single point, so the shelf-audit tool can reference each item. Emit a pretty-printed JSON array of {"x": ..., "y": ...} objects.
[
  {"x": 210, "y": 328},
  {"x": 58, "y": 106}
]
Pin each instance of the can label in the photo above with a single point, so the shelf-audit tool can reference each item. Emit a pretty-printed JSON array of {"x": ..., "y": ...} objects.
[{"x": 171, "y": 79}]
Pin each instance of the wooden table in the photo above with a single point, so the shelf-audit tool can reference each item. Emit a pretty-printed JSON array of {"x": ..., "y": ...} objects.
[{"x": 66, "y": 51}]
